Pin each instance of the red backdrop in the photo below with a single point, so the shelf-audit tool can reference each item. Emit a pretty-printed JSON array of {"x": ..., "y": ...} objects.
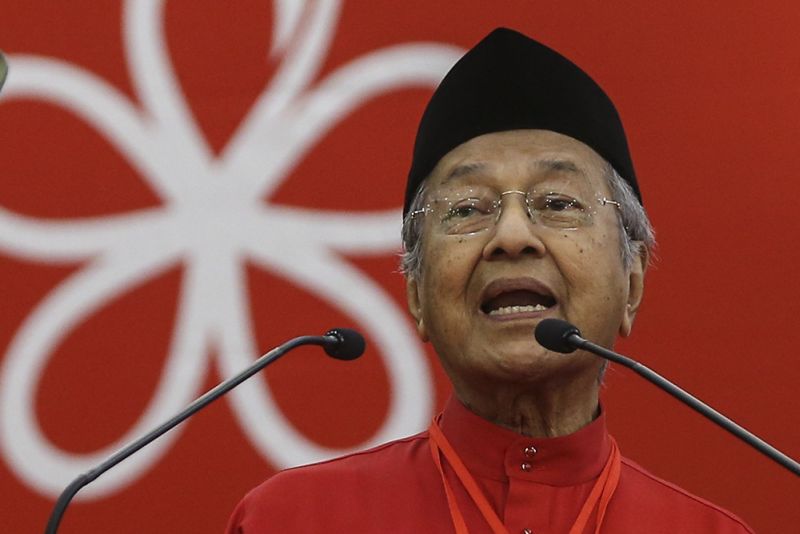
[{"x": 187, "y": 183}]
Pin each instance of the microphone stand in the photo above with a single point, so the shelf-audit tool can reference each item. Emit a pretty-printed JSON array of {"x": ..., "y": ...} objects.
[
  {"x": 687, "y": 398},
  {"x": 329, "y": 341}
]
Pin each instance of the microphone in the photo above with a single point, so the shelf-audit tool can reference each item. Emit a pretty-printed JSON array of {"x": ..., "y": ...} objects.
[
  {"x": 339, "y": 343},
  {"x": 552, "y": 334},
  {"x": 344, "y": 344},
  {"x": 560, "y": 336}
]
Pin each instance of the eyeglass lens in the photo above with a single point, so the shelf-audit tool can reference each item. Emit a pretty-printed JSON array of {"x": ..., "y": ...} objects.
[{"x": 554, "y": 203}]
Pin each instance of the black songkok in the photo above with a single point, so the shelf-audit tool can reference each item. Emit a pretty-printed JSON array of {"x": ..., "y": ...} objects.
[{"x": 511, "y": 82}]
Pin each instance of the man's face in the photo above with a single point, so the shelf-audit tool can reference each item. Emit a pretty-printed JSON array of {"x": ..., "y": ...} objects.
[{"x": 464, "y": 301}]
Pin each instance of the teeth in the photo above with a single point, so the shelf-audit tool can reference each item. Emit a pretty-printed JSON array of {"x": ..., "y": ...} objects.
[{"x": 507, "y": 310}]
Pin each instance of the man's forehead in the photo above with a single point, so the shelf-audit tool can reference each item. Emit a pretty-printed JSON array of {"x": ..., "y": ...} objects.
[
  {"x": 480, "y": 167},
  {"x": 533, "y": 152},
  {"x": 483, "y": 170}
]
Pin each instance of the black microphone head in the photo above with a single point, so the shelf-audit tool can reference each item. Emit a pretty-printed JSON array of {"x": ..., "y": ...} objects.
[
  {"x": 348, "y": 344},
  {"x": 552, "y": 334}
]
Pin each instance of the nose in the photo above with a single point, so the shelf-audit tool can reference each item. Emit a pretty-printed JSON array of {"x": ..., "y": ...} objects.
[{"x": 515, "y": 233}]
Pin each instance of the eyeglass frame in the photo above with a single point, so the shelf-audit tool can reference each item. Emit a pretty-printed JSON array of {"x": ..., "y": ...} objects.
[{"x": 602, "y": 200}]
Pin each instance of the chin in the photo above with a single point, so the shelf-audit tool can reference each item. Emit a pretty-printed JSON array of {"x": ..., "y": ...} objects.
[{"x": 535, "y": 366}]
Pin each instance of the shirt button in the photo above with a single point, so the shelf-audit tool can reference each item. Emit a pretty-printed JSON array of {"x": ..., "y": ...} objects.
[
  {"x": 529, "y": 451},
  {"x": 527, "y": 531},
  {"x": 525, "y": 467}
]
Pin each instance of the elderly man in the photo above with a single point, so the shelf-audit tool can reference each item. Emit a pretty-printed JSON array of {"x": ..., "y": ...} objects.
[{"x": 522, "y": 204}]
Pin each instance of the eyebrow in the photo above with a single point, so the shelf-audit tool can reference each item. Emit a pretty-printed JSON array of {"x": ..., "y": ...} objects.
[
  {"x": 462, "y": 170},
  {"x": 547, "y": 165},
  {"x": 556, "y": 165}
]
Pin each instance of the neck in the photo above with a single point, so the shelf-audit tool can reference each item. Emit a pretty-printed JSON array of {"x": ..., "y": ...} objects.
[{"x": 541, "y": 410}]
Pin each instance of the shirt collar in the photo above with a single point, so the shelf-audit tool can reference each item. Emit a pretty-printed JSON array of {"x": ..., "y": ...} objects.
[{"x": 495, "y": 452}]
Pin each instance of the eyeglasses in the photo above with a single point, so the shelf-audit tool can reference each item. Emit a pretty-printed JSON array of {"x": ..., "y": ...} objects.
[{"x": 470, "y": 210}]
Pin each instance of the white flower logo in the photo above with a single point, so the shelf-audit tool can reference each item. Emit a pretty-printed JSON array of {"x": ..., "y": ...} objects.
[{"x": 212, "y": 218}]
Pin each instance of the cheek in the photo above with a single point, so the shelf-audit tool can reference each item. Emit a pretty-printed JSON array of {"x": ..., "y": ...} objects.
[
  {"x": 447, "y": 266},
  {"x": 591, "y": 265},
  {"x": 447, "y": 270},
  {"x": 574, "y": 257},
  {"x": 609, "y": 283}
]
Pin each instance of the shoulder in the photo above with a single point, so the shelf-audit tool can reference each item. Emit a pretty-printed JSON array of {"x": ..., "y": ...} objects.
[
  {"x": 661, "y": 500},
  {"x": 326, "y": 493},
  {"x": 375, "y": 463}
]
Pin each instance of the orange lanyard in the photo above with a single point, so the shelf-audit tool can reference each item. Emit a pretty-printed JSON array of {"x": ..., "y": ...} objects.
[{"x": 599, "y": 497}]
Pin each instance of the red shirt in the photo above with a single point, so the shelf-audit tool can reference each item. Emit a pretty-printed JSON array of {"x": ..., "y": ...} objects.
[{"x": 396, "y": 488}]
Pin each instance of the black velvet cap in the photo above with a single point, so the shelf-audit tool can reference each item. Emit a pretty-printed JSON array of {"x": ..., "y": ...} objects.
[{"x": 511, "y": 82}]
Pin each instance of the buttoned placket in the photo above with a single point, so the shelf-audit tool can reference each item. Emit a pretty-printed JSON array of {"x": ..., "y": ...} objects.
[
  {"x": 523, "y": 506},
  {"x": 528, "y": 454}
]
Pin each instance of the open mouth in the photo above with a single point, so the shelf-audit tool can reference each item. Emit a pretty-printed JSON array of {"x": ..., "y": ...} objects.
[{"x": 504, "y": 299}]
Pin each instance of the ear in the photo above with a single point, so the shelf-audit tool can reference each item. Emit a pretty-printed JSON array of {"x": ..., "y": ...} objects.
[
  {"x": 415, "y": 306},
  {"x": 635, "y": 289}
]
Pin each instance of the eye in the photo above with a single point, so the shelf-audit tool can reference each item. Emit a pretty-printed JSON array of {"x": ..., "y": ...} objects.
[
  {"x": 558, "y": 203},
  {"x": 468, "y": 208}
]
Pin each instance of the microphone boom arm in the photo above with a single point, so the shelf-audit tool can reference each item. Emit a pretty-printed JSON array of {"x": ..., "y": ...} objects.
[
  {"x": 687, "y": 398},
  {"x": 329, "y": 341}
]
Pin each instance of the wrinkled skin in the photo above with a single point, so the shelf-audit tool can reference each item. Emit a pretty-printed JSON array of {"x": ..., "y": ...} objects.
[{"x": 496, "y": 366}]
